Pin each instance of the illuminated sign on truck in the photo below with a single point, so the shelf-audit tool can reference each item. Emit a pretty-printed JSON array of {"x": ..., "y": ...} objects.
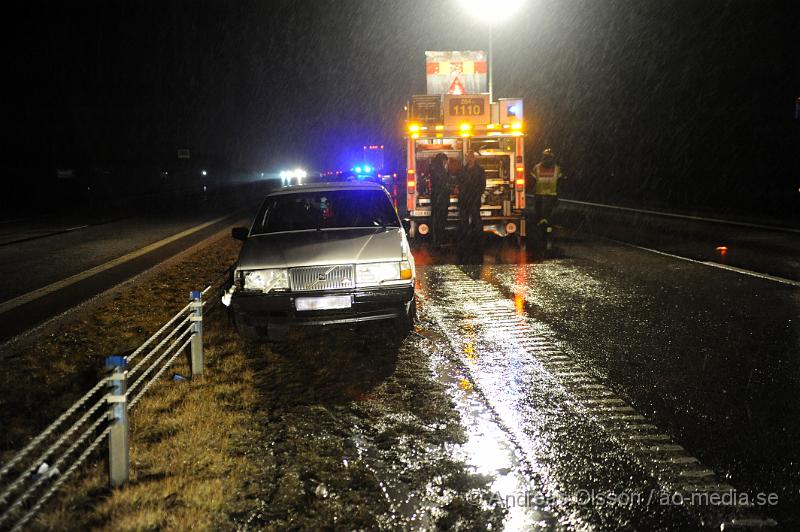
[{"x": 472, "y": 109}]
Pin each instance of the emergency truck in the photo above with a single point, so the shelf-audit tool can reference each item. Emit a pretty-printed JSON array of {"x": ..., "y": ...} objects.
[{"x": 457, "y": 125}]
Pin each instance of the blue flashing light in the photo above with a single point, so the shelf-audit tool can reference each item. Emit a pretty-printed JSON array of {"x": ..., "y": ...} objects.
[
  {"x": 358, "y": 169},
  {"x": 513, "y": 110},
  {"x": 367, "y": 169}
]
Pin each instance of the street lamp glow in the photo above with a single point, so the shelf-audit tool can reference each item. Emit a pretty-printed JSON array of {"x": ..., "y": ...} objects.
[
  {"x": 204, "y": 172},
  {"x": 492, "y": 10}
]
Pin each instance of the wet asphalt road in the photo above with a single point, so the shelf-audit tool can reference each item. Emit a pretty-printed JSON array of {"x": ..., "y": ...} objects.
[
  {"x": 39, "y": 252},
  {"x": 602, "y": 387},
  {"x": 618, "y": 373},
  {"x": 744, "y": 244}
]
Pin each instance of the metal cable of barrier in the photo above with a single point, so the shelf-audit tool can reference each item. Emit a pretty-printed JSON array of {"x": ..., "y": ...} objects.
[
  {"x": 157, "y": 333},
  {"x": 75, "y": 426},
  {"x": 218, "y": 279},
  {"x": 216, "y": 302},
  {"x": 159, "y": 346},
  {"x": 60, "y": 480},
  {"x": 116, "y": 401},
  {"x": 158, "y": 374},
  {"x": 22, "y": 498},
  {"x": 49, "y": 430},
  {"x": 146, "y": 372}
]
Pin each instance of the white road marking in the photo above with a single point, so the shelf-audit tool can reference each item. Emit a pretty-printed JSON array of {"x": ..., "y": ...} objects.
[
  {"x": 33, "y": 295},
  {"x": 668, "y": 463},
  {"x": 748, "y": 524},
  {"x": 713, "y": 264},
  {"x": 686, "y": 216}
]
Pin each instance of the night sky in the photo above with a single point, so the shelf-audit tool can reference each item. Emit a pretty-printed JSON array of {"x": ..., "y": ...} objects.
[{"x": 676, "y": 103}]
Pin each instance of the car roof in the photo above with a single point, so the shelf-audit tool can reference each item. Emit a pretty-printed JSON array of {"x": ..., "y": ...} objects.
[{"x": 325, "y": 187}]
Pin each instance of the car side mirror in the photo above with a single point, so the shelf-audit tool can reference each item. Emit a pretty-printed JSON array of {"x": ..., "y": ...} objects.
[{"x": 239, "y": 233}]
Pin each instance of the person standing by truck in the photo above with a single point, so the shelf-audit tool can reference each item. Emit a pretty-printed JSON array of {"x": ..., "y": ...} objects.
[
  {"x": 440, "y": 197},
  {"x": 546, "y": 175},
  {"x": 471, "y": 186}
]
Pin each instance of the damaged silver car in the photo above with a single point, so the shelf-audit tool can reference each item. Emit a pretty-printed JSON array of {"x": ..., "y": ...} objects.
[{"x": 322, "y": 254}]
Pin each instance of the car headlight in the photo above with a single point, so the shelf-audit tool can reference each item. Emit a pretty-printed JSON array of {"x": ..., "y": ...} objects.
[
  {"x": 379, "y": 272},
  {"x": 266, "y": 280}
]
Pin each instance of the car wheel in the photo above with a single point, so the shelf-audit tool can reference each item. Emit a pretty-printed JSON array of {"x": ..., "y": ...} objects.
[
  {"x": 248, "y": 332},
  {"x": 405, "y": 323},
  {"x": 278, "y": 335}
]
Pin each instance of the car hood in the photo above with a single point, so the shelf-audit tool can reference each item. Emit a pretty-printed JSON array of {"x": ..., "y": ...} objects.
[{"x": 314, "y": 248}]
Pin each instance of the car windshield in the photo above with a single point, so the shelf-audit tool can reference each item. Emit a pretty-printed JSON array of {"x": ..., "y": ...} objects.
[{"x": 331, "y": 209}]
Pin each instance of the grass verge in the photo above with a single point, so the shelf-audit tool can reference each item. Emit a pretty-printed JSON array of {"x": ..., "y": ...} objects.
[
  {"x": 189, "y": 466},
  {"x": 341, "y": 428}
]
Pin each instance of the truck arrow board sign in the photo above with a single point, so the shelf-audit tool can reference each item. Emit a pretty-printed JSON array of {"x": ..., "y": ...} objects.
[
  {"x": 472, "y": 109},
  {"x": 456, "y": 72}
]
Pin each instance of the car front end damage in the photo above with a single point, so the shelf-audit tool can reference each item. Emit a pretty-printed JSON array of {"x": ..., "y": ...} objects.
[{"x": 265, "y": 303}]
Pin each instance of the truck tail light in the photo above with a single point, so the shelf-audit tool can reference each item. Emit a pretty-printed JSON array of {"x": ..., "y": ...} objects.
[{"x": 411, "y": 189}]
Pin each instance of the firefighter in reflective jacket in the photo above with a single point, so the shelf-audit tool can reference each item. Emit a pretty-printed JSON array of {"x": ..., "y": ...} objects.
[{"x": 545, "y": 175}]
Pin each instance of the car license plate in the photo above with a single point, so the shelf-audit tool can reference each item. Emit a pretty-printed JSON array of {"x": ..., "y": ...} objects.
[
  {"x": 486, "y": 213},
  {"x": 421, "y": 212},
  {"x": 303, "y": 304}
]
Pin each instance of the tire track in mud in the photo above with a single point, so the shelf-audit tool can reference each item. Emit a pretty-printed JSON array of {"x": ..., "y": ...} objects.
[{"x": 576, "y": 436}]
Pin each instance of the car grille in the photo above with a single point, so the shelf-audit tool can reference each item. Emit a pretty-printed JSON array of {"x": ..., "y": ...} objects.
[{"x": 322, "y": 277}]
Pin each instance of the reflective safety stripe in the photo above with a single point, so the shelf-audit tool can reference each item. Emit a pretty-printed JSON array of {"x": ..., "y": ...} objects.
[{"x": 546, "y": 180}]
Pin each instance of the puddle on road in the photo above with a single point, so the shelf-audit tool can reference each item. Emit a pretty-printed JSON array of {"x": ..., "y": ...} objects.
[
  {"x": 488, "y": 450},
  {"x": 573, "y": 434}
]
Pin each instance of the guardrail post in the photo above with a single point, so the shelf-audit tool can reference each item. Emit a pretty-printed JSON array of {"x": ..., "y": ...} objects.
[
  {"x": 197, "y": 336},
  {"x": 118, "y": 457}
]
